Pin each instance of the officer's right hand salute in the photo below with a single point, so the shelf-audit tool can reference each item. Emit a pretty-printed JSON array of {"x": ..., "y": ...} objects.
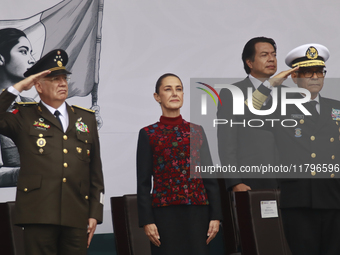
[{"x": 30, "y": 81}]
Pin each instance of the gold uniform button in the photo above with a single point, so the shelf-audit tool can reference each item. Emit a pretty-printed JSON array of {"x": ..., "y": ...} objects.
[
  {"x": 64, "y": 179},
  {"x": 25, "y": 189},
  {"x": 65, "y": 151},
  {"x": 313, "y": 155},
  {"x": 65, "y": 137},
  {"x": 332, "y": 175},
  {"x": 332, "y": 139},
  {"x": 86, "y": 140},
  {"x": 65, "y": 165},
  {"x": 313, "y": 173},
  {"x": 302, "y": 121},
  {"x": 312, "y": 137},
  {"x": 86, "y": 197},
  {"x": 333, "y": 157},
  {"x": 41, "y": 135}
]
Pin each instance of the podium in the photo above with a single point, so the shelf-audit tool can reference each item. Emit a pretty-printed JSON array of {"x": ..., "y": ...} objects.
[
  {"x": 130, "y": 238},
  {"x": 260, "y": 226}
]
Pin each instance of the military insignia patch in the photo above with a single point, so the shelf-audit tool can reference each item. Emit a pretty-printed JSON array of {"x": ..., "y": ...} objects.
[
  {"x": 82, "y": 127},
  {"x": 298, "y": 132},
  {"x": 312, "y": 53},
  {"x": 40, "y": 125},
  {"x": 335, "y": 114},
  {"x": 15, "y": 111}
]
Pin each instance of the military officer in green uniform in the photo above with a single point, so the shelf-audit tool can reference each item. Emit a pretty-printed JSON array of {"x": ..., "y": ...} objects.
[{"x": 60, "y": 188}]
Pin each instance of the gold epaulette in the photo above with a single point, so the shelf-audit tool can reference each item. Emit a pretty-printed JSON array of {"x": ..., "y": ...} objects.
[
  {"x": 26, "y": 103},
  {"x": 82, "y": 108}
]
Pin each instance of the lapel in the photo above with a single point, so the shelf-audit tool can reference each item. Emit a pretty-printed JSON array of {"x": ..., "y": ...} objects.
[
  {"x": 325, "y": 114},
  {"x": 47, "y": 115},
  {"x": 72, "y": 116}
]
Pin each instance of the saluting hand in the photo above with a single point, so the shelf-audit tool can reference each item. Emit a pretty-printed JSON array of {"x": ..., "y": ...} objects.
[
  {"x": 30, "y": 81},
  {"x": 152, "y": 232},
  {"x": 214, "y": 226},
  {"x": 279, "y": 78}
]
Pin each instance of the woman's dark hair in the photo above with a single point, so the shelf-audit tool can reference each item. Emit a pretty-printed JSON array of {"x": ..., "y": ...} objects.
[
  {"x": 160, "y": 79},
  {"x": 249, "y": 50},
  {"x": 9, "y": 37}
]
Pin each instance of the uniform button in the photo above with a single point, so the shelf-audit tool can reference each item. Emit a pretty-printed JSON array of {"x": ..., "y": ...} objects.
[
  {"x": 313, "y": 155},
  {"x": 65, "y": 137},
  {"x": 65, "y": 151},
  {"x": 312, "y": 137},
  {"x": 41, "y": 135},
  {"x": 185, "y": 186},
  {"x": 184, "y": 172},
  {"x": 25, "y": 189},
  {"x": 175, "y": 128},
  {"x": 65, "y": 165},
  {"x": 332, "y": 175},
  {"x": 332, "y": 139},
  {"x": 85, "y": 141},
  {"x": 302, "y": 121},
  {"x": 313, "y": 173},
  {"x": 86, "y": 197},
  {"x": 333, "y": 157},
  {"x": 64, "y": 179}
]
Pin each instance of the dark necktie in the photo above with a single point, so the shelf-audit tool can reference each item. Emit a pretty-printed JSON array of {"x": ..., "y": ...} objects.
[
  {"x": 311, "y": 107},
  {"x": 56, "y": 114}
]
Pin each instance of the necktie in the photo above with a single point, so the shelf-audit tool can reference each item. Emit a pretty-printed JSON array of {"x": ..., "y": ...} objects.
[
  {"x": 56, "y": 114},
  {"x": 311, "y": 107}
]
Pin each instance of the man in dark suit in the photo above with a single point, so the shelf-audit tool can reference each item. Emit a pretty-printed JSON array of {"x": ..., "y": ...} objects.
[
  {"x": 310, "y": 206},
  {"x": 60, "y": 187},
  {"x": 246, "y": 146}
]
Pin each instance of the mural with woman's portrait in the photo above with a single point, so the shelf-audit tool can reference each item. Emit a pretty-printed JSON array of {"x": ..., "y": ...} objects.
[{"x": 15, "y": 58}]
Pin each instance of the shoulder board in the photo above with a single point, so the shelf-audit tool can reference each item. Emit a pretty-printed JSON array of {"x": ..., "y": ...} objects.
[
  {"x": 26, "y": 103},
  {"x": 82, "y": 108}
]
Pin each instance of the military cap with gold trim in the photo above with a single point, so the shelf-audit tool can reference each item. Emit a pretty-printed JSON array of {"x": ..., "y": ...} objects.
[
  {"x": 55, "y": 61},
  {"x": 308, "y": 55}
]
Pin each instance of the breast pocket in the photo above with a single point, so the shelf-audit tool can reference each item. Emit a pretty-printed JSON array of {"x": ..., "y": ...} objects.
[
  {"x": 84, "y": 145},
  {"x": 42, "y": 139}
]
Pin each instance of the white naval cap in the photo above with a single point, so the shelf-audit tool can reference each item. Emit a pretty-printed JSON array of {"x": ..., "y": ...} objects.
[{"x": 311, "y": 54}]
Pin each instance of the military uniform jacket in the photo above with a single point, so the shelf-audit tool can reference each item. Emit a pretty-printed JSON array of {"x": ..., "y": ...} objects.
[
  {"x": 312, "y": 143},
  {"x": 244, "y": 146},
  {"x": 60, "y": 180}
]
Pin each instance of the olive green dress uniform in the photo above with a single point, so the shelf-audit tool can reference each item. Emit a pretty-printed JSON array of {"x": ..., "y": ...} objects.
[{"x": 60, "y": 180}]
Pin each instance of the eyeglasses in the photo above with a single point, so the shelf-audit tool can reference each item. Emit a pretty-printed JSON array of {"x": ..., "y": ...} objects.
[
  {"x": 309, "y": 74},
  {"x": 57, "y": 79}
]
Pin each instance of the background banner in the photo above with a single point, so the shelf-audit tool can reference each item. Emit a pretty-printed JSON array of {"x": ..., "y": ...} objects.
[{"x": 123, "y": 46}]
